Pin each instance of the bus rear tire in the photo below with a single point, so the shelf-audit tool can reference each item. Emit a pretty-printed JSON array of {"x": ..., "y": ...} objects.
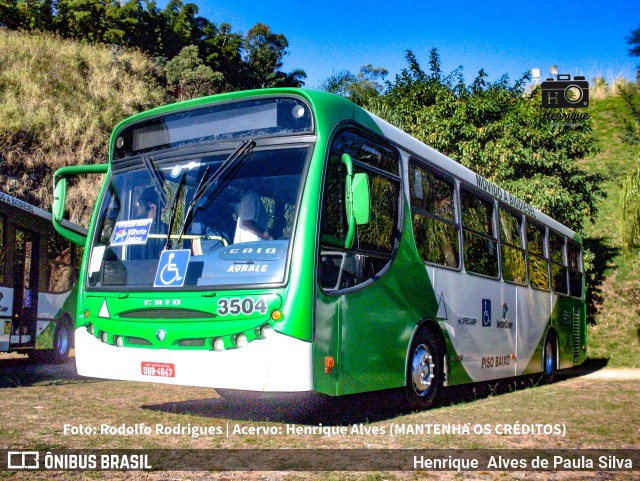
[
  {"x": 61, "y": 345},
  {"x": 550, "y": 360},
  {"x": 424, "y": 370}
]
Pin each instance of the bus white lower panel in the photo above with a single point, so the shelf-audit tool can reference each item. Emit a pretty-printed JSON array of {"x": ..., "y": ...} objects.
[
  {"x": 277, "y": 364},
  {"x": 495, "y": 327}
]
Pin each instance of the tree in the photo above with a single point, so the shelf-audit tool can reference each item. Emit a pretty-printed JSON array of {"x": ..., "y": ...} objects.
[
  {"x": 359, "y": 89},
  {"x": 123, "y": 23},
  {"x": 264, "y": 52},
  {"x": 80, "y": 19},
  {"x": 499, "y": 132},
  {"x": 634, "y": 40},
  {"x": 189, "y": 78},
  {"x": 222, "y": 51},
  {"x": 630, "y": 117}
]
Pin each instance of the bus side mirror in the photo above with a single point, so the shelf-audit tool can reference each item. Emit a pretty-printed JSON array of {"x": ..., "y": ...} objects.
[
  {"x": 60, "y": 195},
  {"x": 357, "y": 200}
]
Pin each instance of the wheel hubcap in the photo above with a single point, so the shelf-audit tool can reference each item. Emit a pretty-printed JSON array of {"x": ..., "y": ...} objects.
[
  {"x": 62, "y": 341},
  {"x": 422, "y": 370},
  {"x": 549, "y": 359}
]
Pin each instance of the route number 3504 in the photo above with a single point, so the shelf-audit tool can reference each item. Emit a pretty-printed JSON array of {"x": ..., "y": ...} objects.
[{"x": 245, "y": 305}]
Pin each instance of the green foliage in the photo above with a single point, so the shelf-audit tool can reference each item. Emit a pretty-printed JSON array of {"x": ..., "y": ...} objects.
[
  {"x": 630, "y": 119},
  {"x": 189, "y": 78},
  {"x": 630, "y": 212},
  {"x": 264, "y": 52},
  {"x": 634, "y": 40},
  {"x": 357, "y": 88},
  {"x": 498, "y": 131}
]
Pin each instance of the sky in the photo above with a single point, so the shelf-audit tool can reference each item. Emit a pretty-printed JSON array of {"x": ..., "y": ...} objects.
[{"x": 582, "y": 37}]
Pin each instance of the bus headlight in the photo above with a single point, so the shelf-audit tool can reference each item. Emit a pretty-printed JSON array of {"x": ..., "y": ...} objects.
[
  {"x": 267, "y": 331},
  {"x": 104, "y": 337},
  {"x": 119, "y": 341},
  {"x": 241, "y": 340},
  {"x": 218, "y": 344}
]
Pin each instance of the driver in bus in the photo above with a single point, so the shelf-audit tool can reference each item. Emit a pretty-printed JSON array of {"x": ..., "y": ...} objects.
[
  {"x": 149, "y": 202},
  {"x": 252, "y": 220}
]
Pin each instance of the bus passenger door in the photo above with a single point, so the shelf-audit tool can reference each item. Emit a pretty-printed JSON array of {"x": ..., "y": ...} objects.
[
  {"x": 367, "y": 303},
  {"x": 25, "y": 292},
  {"x": 6, "y": 294}
]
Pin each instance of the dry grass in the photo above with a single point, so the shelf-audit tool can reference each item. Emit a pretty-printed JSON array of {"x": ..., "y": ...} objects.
[
  {"x": 601, "y": 88},
  {"x": 602, "y": 414},
  {"x": 59, "y": 102}
]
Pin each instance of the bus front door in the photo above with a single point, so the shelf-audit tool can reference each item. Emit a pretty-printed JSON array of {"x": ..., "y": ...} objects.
[{"x": 25, "y": 292}]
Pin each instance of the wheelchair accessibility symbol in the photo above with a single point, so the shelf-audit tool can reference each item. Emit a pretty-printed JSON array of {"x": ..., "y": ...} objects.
[{"x": 172, "y": 268}]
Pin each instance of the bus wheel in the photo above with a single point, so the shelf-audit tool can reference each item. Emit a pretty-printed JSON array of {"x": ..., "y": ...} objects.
[
  {"x": 423, "y": 370},
  {"x": 61, "y": 344},
  {"x": 550, "y": 359}
]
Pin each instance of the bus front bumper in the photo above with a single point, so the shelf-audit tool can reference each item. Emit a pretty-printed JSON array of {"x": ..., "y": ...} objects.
[{"x": 277, "y": 364}]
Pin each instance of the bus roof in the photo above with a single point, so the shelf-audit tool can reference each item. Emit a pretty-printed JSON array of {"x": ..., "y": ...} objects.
[{"x": 37, "y": 211}]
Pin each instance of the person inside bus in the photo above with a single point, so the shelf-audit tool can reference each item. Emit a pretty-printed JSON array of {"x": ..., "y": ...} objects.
[
  {"x": 148, "y": 203},
  {"x": 252, "y": 219},
  {"x": 207, "y": 224}
]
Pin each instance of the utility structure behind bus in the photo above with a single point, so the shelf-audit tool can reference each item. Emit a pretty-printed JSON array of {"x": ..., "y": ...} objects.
[
  {"x": 288, "y": 240},
  {"x": 38, "y": 282}
]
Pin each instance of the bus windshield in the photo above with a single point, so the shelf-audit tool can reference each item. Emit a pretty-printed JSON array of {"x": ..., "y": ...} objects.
[{"x": 235, "y": 221}]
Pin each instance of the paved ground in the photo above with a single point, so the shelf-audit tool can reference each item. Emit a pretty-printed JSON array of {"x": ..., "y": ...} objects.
[{"x": 622, "y": 374}]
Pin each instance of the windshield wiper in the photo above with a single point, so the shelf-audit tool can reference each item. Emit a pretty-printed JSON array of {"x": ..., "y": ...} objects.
[
  {"x": 244, "y": 149},
  {"x": 172, "y": 212},
  {"x": 156, "y": 180}
]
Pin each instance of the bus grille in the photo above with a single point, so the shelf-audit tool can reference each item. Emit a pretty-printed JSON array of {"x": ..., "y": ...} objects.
[
  {"x": 166, "y": 314},
  {"x": 576, "y": 335},
  {"x": 138, "y": 341}
]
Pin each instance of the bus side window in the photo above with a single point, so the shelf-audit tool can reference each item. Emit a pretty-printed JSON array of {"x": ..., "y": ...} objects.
[
  {"x": 538, "y": 264},
  {"x": 62, "y": 274},
  {"x": 512, "y": 249},
  {"x": 558, "y": 264},
  {"x": 434, "y": 224},
  {"x": 479, "y": 238},
  {"x": 575, "y": 268}
]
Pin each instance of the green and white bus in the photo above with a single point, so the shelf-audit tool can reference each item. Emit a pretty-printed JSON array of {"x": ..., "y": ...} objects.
[
  {"x": 38, "y": 282},
  {"x": 287, "y": 240}
]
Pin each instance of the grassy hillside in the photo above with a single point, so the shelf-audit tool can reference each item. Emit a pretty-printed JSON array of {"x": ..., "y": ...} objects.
[
  {"x": 59, "y": 101},
  {"x": 616, "y": 333}
]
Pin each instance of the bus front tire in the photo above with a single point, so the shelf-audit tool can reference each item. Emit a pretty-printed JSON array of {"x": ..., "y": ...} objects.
[{"x": 424, "y": 370}]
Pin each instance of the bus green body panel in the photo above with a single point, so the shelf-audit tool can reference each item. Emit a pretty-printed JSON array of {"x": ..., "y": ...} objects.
[{"x": 368, "y": 331}]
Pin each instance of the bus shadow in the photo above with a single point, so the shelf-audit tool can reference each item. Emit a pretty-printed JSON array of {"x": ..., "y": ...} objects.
[
  {"x": 22, "y": 372},
  {"x": 295, "y": 408},
  {"x": 353, "y": 409}
]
